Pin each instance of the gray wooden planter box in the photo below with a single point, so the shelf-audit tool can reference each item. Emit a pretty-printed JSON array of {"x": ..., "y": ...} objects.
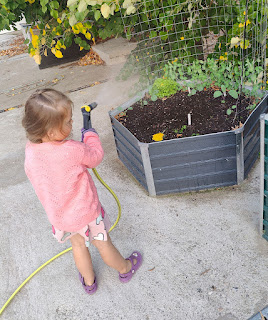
[{"x": 192, "y": 163}]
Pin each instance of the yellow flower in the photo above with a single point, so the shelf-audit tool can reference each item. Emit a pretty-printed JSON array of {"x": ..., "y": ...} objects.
[
  {"x": 35, "y": 41},
  {"x": 223, "y": 58},
  {"x": 59, "y": 21},
  {"x": 88, "y": 35},
  {"x": 58, "y": 45},
  {"x": 44, "y": 32},
  {"x": 248, "y": 22},
  {"x": 244, "y": 13},
  {"x": 83, "y": 30},
  {"x": 32, "y": 52},
  {"x": 47, "y": 26},
  {"x": 182, "y": 38},
  {"x": 75, "y": 29},
  {"x": 219, "y": 45},
  {"x": 37, "y": 58},
  {"x": 226, "y": 53},
  {"x": 58, "y": 54},
  {"x": 158, "y": 136},
  {"x": 81, "y": 48},
  {"x": 241, "y": 25}
]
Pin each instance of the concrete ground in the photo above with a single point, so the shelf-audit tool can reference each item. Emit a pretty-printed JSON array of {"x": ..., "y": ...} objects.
[{"x": 203, "y": 256}]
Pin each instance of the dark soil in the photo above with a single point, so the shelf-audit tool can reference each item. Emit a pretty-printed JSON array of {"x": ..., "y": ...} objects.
[{"x": 170, "y": 116}]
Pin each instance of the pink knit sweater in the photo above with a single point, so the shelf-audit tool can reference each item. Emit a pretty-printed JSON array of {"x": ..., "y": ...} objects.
[{"x": 59, "y": 175}]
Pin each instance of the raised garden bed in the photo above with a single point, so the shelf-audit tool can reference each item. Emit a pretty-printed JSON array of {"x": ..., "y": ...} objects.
[{"x": 191, "y": 163}]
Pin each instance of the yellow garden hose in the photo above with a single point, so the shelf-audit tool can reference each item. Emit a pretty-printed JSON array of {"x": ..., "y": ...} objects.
[{"x": 69, "y": 249}]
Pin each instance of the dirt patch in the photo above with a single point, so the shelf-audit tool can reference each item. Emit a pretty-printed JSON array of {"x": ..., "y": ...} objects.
[{"x": 170, "y": 116}]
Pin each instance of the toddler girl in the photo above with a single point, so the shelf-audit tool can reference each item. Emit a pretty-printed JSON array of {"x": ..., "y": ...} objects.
[{"x": 57, "y": 169}]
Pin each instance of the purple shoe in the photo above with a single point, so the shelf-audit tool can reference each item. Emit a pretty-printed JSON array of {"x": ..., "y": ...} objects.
[
  {"x": 89, "y": 289},
  {"x": 125, "y": 277}
]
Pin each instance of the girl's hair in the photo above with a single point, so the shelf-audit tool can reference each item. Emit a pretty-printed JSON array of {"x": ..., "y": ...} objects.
[{"x": 45, "y": 109}]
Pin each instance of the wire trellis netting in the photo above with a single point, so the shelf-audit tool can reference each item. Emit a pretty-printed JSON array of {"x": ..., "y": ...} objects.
[{"x": 228, "y": 36}]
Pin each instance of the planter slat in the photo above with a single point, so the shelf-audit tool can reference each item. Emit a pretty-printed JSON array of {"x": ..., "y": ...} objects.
[
  {"x": 196, "y": 183},
  {"x": 122, "y": 143},
  {"x": 225, "y": 152},
  {"x": 133, "y": 169},
  {"x": 118, "y": 128},
  {"x": 193, "y": 163},
  {"x": 189, "y": 144},
  {"x": 254, "y": 118},
  {"x": 130, "y": 156},
  {"x": 193, "y": 168},
  {"x": 253, "y": 156}
]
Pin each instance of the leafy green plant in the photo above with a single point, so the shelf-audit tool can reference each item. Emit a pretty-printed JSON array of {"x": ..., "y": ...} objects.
[
  {"x": 224, "y": 93},
  {"x": 163, "y": 88}
]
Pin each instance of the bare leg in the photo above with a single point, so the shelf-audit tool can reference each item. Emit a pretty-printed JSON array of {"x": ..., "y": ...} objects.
[
  {"x": 111, "y": 255},
  {"x": 82, "y": 259}
]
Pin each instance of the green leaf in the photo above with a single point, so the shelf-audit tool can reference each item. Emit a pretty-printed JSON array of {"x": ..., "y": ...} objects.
[
  {"x": 153, "y": 98},
  {"x": 54, "y": 14},
  {"x": 163, "y": 35},
  {"x": 80, "y": 16},
  {"x": 72, "y": 20},
  {"x": 54, "y": 5},
  {"x": 44, "y": 2},
  {"x": 229, "y": 111},
  {"x": 233, "y": 94},
  {"x": 223, "y": 89},
  {"x": 97, "y": 15},
  {"x": 234, "y": 106},
  {"x": 217, "y": 94},
  {"x": 153, "y": 34},
  {"x": 82, "y": 6},
  {"x": 145, "y": 102},
  {"x": 71, "y": 2},
  {"x": 105, "y": 10}
]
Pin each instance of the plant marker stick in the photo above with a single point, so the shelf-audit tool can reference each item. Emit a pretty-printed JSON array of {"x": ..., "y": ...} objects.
[{"x": 189, "y": 119}]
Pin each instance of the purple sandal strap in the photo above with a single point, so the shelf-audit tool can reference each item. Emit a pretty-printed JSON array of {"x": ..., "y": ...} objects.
[
  {"x": 89, "y": 289},
  {"x": 125, "y": 277}
]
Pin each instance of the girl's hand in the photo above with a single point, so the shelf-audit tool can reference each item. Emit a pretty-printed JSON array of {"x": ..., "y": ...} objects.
[{"x": 83, "y": 131}]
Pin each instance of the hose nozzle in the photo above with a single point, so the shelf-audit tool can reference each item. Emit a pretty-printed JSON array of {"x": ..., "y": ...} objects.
[{"x": 86, "y": 110}]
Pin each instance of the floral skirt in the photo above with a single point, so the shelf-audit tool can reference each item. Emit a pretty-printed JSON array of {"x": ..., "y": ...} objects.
[{"x": 95, "y": 230}]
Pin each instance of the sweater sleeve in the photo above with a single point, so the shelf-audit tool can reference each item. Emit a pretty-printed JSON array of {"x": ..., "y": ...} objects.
[{"x": 93, "y": 152}]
